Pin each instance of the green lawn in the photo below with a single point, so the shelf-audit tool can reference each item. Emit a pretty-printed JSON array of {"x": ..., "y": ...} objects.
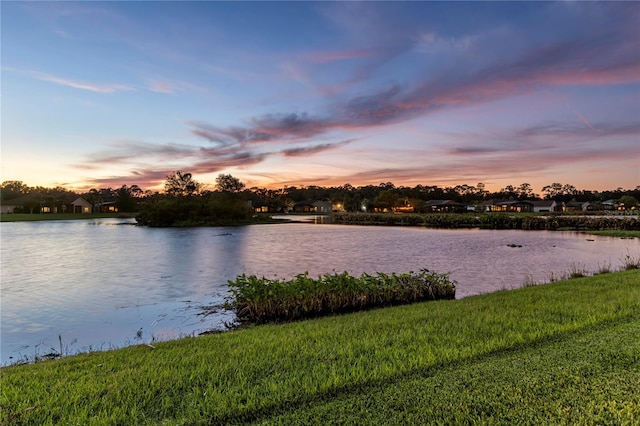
[
  {"x": 561, "y": 353},
  {"x": 25, "y": 217}
]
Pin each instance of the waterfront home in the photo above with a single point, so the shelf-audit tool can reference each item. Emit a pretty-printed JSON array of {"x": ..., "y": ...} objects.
[
  {"x": 540, "y": 206},
  {"x": 107, "y": 207},
  {"x": 514, "y": 206},
  {"x": 578, "y": 206},
  {"x": 80, "y": 205},
  {"x": 322, "y": 206},
  {"x": 11, "y": 205},
  {"x": 309, "y": 206},
  {"x": 445, "y": 206},
  {"x": 258, "y": 206}
]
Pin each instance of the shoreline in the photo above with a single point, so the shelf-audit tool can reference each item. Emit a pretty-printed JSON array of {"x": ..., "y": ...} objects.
[{"x": 541, "y": 336}]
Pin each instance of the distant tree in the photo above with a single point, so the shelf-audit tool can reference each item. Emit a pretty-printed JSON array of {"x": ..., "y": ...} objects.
[
  {"x": 228, "y": 183},
  {"x": 126, "y": 198},
  {"x": 385, "y": 199},
  {"x": 31, "y": 203},
  {"x": 509, "y": 192},
  {"x": 13, "y": 189},
  {"x": 525, "y": 192},
  {"x": 181, "y": 184},
  {"x": 481, "y": 190},
  {"x": 552, "y": 191}
]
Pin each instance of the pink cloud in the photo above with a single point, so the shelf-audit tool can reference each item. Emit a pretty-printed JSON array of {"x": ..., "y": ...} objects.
[{"x": 323, "y": 57}]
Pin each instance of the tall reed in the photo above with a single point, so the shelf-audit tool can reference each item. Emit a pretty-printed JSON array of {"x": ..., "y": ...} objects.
[{"x": 262, "y": 299}]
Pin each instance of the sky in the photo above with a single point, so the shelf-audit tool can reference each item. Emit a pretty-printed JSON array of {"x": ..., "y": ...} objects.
[{"x": 105, "y": 94}]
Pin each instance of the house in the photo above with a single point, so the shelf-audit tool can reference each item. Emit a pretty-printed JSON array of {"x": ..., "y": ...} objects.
[
  {"x": 513, "y": 206},
  {"x": 448, "y": 206},
  {"x": 258, "y": 206},
  {"x": 309, "y": 206},
  {"x": 404, "y": 209},
  {"x": 577, "y": 206},
  {"x": 28, "y": 202},
  {"x": 303, "y": 207},
  {"x": 540, "y": 206},
  {"x": 322, "y": 207},
  {"x": 10, "y": 206},
  {"x": 107, "y": 207},
  {"x": 609, "y": 205},
  {"x": 80, "y": 205},
  {"x": 337, "y": 207}
]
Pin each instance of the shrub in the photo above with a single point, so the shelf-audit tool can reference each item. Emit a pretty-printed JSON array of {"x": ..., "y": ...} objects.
[{"x": 261, "y": 300}]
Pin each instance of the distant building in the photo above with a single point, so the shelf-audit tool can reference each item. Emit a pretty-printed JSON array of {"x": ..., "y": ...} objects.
[
  {"x": 514, "y": 206},
  {"x": 578, "y": 206},
  {"x": 445, "y": 206},
  {"x": 309, "y": 206},
  {"x": 540, "y": 206},
  {"x": 80, "y": 205}
]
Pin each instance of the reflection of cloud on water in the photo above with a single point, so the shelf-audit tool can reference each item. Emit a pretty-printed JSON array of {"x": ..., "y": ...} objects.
[{"x": 20, "y": 326}]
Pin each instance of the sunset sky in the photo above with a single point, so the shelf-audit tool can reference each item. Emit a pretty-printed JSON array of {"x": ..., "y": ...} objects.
[{"x": 98, "y": 94}]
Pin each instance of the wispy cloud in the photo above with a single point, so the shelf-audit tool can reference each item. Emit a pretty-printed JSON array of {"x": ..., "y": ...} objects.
[
  {"x": 584, "y": 120},
  {"x": 589, "y": 61},
  {"x": 328, "y": 56},
  {"x": 310, "y": 150},
  {"x": 81, "y": 85}
]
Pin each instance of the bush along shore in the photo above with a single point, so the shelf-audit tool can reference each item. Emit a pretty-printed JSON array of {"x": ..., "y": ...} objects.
[
  {"x": 260, "y": 300},
  {"x": 492, "y": 221}
]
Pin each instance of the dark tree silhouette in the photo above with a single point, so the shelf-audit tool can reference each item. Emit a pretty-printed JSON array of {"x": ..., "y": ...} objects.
[
  {"x": 228, "y": 183},
  {"x": 182, "y": 184}
]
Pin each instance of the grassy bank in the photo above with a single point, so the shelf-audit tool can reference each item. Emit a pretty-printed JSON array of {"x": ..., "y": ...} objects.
[
  {"x": 25, "y": 217},
  {"x": 563, "y": 353}
]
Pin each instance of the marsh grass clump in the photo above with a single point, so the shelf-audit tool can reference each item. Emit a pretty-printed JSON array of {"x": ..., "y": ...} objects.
[
  {"x": 576, "y": 271},
  {"x": 260, "y": 300},
  {"x": 631, "y": 262},
  {"x": 604, "y": 268}
]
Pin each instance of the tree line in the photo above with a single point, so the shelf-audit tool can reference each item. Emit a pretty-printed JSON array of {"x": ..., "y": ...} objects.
[{"x": 181, "y": 187}]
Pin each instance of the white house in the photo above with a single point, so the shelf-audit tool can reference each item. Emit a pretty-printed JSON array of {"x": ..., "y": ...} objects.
[{"x": 544, "y": 206}]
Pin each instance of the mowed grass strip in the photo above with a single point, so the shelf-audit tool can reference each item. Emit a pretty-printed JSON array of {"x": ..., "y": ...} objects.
[
  {"x": 586, "y": 377},
  {"x": 251, "y": 374}
]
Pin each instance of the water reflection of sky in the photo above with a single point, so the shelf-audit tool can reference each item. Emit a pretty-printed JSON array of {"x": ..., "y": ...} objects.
[{"x": 99, "y": 286}]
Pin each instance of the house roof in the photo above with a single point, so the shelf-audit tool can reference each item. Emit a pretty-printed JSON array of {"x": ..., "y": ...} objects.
[
  {"x": 512, "y": 202},
  {"x": 578, "y": 204},
  {"x": 436, "y": 203},
  {"x": 81, "y": 202},
  {"x": 19, "y": 201},
  {"x": 543, "y": 203}
]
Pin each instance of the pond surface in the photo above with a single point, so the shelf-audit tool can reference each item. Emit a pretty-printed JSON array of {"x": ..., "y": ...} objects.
[{"x": 95, "y": 284}]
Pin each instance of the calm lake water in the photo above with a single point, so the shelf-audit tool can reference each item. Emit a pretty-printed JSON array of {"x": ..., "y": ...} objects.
[{"x": 98, "y": 284}]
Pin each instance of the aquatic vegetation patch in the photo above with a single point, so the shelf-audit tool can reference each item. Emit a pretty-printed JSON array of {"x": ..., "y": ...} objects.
[
  {"x": 527, "y": 221},
  {"x": 260, "y": 300}
]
